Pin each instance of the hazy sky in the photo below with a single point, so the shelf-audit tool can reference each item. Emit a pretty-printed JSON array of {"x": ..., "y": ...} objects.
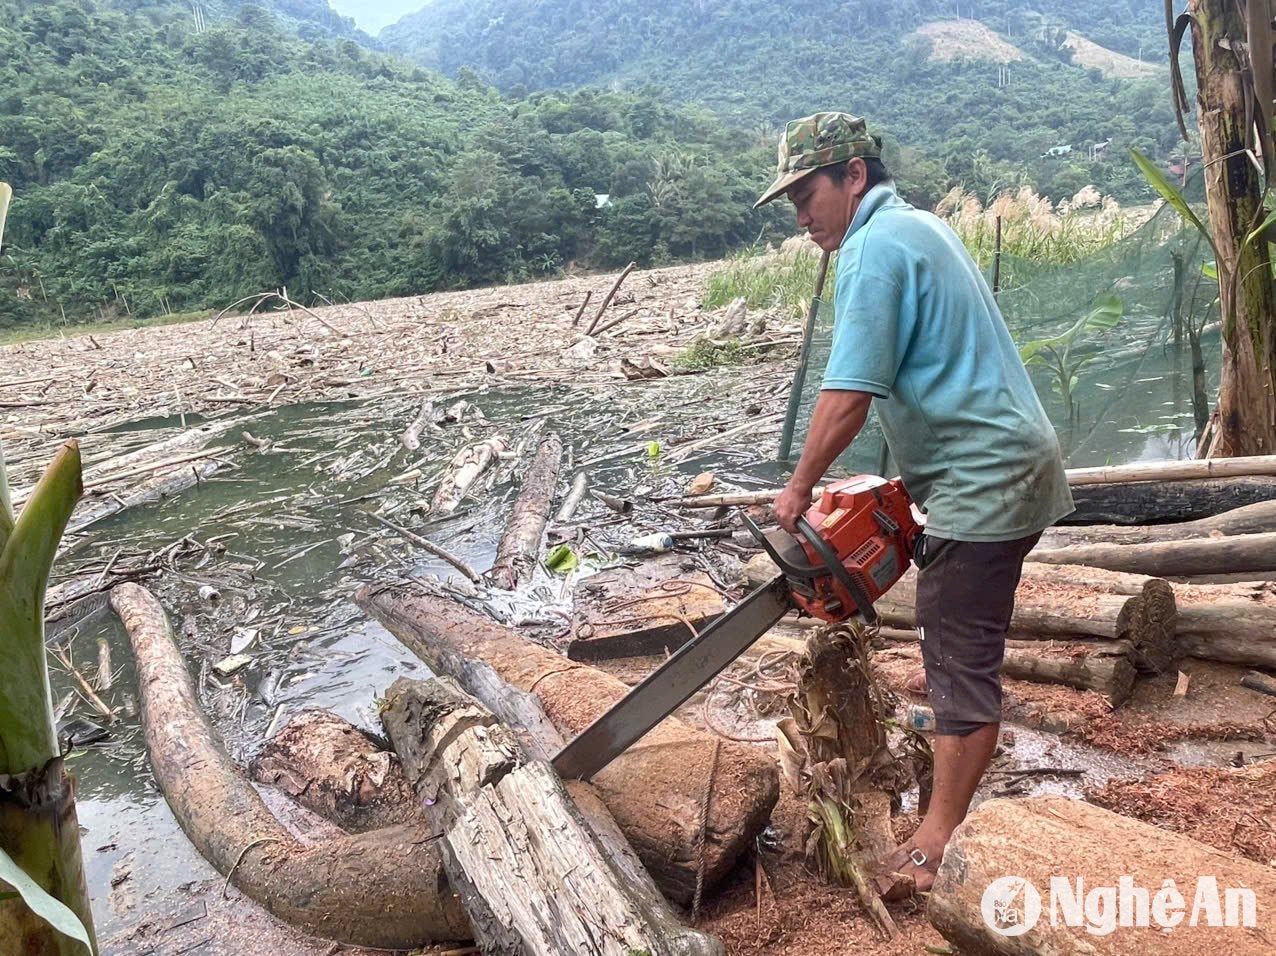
[{"x": 372, "y": 15}]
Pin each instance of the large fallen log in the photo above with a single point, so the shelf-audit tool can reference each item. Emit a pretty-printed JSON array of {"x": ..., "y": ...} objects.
[
  {"x": 1233, "y": 623},
  {"x": 1251, "y": 519},
  {"x": 1083, "y": 849},
  {"x": 1158, "y": 502},
  {"x": 335, "y": 770},
  {"x": 657, "y": 790},
  {"x": 1056, "y": 611},
  {"x": 385, "y": 888},
  {"x": 532, "y": 876},
  {"x": 1242, "y": 552},
  {"x": 521, "y": 544}
]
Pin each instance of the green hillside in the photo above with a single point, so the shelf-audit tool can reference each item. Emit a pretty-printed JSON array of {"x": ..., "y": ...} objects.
[
  {"x": 757, "y": 63},
  {"x": 161, "y": 167}
]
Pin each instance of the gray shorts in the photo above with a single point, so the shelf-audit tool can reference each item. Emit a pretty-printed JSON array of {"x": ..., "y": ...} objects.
[{"x": 965, "y": 596}]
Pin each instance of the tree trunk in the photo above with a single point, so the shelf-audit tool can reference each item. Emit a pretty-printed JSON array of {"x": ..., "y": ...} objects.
[
  {"x": 833, "y": 750},
  {"x": 386, "y": 888},
  {"x": 532, "y": 876},
  {"x": 1234, "y": 188},
  {"x": 1241, "y": 552},
  {"x": 40, "y": 831},
  {"x": 521, "y": 544},
  {"x": 335, "y": 770},
  {"x": 1159, "y": 502},
  {"x": 1257, "y": 518},
  {"x": 655, "y": 790},
  {"x": 1044, "y": 837}
]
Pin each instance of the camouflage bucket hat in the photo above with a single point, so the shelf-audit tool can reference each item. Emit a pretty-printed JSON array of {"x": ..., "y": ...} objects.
[{"x": 820, "y": 140}]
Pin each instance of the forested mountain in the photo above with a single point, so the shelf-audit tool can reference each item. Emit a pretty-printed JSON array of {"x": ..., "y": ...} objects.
[
  {"x": 162, "y": 162},
  {"x": 309, "y": 19},
  {"x": 983, "y": 88}
]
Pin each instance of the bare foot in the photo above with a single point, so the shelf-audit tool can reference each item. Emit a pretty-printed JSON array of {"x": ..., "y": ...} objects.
[
  {"x": 916, "y": 683},
  {"x": 909, "y": 868}
]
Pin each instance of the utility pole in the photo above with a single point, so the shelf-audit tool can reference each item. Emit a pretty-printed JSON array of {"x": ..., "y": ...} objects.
[{"x": 1234, "y": 184}]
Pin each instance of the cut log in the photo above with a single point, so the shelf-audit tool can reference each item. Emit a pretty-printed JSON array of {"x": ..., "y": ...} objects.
[
  {"x": 1234, "y": 623},
  {"x": 1105, "y": 668},
  {"x": 521, "y": 544},
  {"x": 1242, "y": 552},
  {"x": 470, "y": 462},
  {"x": 533, "y": 878},
  {"x": 386, "y": 888},
  {"x": 652, "y": 609},
  {"x": 655, "y": 790},
  {"x": 1158, "y": 502},
  {"x": 1257, "y": 518},
  {"x": 1057, "y": 610},
  {"x": 1086, "y": 847},
  {"x": 333, "y": 769}
]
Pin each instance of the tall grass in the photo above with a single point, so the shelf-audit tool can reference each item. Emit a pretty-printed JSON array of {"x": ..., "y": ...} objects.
[
  {"x": 1035, "y": 229},
  {"x": 782, "y": 281}
]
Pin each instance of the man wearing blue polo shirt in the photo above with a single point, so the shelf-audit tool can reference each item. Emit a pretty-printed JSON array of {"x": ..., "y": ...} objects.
[{"x": 917, "y": 330}]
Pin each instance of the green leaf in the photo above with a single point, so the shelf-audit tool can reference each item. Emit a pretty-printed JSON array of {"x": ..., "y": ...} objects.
[
  {"x": 1267, "y": 223},
  {"x": 1170, "y": 194},
  {"x": 52, "y": 911},
  {"x": 1104, "y": 315},
  {"x": 27, "y": 736},
  {"x": 562, "y": 560},
  {"x": 1210, "y": 270},
  {"x": 653, "y": 449}
]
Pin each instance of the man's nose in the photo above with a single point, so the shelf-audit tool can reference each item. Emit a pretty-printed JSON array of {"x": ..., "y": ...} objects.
[{"x": 803, "y": 219}]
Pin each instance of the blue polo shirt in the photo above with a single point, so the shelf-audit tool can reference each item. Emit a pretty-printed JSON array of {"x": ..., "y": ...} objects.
[{"x": 917, "y": 327}]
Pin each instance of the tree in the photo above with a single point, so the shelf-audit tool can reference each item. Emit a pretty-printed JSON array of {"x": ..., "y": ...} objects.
[{"x": 1234, "y": 112}]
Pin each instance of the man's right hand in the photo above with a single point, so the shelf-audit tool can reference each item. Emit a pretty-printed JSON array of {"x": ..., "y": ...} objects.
[{"x": 791, "y": 505}]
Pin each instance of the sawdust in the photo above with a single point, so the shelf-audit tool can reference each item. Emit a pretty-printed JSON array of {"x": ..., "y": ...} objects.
[
  {"x": 1230, "y": 809},
  {"x": 801, "y": 914}
]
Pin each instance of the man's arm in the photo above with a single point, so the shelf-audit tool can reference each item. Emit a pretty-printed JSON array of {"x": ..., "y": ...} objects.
[{"x": 838, "y": 417}]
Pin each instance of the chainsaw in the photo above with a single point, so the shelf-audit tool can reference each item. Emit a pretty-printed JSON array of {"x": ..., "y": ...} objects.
[{"x": 854, "y": 543}]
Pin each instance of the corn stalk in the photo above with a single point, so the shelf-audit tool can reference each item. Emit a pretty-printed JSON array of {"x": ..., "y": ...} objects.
[{"x": 44, "y": 905}]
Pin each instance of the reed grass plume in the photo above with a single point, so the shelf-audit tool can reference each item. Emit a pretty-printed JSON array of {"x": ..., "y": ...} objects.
[{"x": 1034, "y": 228}]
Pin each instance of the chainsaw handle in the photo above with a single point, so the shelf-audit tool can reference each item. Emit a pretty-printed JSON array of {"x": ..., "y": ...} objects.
[
  {"x": 834, "y": 564},
  {"x": 791, "y": 570}
]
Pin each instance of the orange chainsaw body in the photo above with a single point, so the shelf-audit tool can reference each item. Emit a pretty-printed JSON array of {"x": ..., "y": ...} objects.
[{"x": 868, "y": 526}]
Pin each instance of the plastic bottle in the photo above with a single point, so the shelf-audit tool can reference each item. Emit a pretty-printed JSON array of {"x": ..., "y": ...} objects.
[
  {"x": 652, "y": 542},
  {"x": 920, "y": 718}
]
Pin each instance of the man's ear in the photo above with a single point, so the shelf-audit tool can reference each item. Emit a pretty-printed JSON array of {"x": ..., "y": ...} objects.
[{"x": 858, "y": 176}]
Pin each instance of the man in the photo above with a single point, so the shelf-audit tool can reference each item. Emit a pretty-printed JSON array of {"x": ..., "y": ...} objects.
[{"x": 917, "y": 329}]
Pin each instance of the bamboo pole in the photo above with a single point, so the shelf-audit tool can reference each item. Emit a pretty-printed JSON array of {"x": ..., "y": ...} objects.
[{"x": 804, "y": 358}]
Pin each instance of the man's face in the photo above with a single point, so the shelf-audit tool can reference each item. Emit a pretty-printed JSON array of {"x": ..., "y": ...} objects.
[{"x": 826, "y": 209}]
